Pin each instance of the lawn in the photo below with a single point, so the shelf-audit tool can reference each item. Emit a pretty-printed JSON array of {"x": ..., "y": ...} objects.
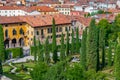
[
  {"x": 22, "y": 75},
  {"x": 6, "y": 68},
  {"x": 27, "y": 64}
]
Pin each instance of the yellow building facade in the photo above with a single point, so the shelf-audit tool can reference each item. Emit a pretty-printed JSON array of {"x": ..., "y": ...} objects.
[
  {"x": 20, "y": 31},
  {"x": 17, "y": 35}
]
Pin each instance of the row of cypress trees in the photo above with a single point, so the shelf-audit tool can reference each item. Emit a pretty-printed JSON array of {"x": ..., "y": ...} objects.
[
  {"x": 65, "y": 49},
  {"x": 93, "y": 50}
]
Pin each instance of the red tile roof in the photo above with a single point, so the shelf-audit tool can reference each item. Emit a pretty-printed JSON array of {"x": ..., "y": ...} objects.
[
  {"x": 29, "y": 9},
  {"x": 37, "y": 21}
]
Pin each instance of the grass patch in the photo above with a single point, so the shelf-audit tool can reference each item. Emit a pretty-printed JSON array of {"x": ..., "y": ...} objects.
[
  {"x": 28, "y": 64},
  {"x": 6, "y": 68}
]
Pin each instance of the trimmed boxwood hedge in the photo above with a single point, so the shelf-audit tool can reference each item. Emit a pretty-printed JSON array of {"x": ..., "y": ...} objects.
[{"x": 16, "y": 52}]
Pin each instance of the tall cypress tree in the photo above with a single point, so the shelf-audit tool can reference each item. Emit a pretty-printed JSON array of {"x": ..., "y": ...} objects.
[
  {"x": 97, "y": 50},
  {"x": 110, "y": 55},
  {"x": 67, "y": 44},
  {"x": 35, "y": 49},
  {"x": 39, "y": 45},
  {"x": 83, "y": 49},
  {"x": 117, "y": 63},
  {"x": 62, "y": 51},
  {"x": 2, "y": 49},
  {"x": 54, "y": 46},
  {"x": 92, "y": 46},
  {"x": 73, "y": 43},
  {"x": 103, "y": 55},
  {"x": 77, "y": 41},
  {"x": 40, "y": 55},
  {"x": 102, "y": 45},
  {"x": 46, "y": 51}
]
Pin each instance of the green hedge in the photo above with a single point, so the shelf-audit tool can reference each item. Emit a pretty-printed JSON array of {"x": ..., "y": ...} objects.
[
  {"x": 16, "y": 52},
  {"x": 32, "y": 48}
]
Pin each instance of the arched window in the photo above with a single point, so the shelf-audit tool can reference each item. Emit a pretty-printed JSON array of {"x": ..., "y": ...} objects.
[
  {"x": 6, "y": 33},
  {"x": 21, "y": 31},
  {"x": 14, "y": 32}
]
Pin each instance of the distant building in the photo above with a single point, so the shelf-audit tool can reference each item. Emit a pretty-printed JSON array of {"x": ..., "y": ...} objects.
[
  {"x": 16, "y": 11},
  {"x": 63, "y": 9},
  {"x": 23, "y": 10}
]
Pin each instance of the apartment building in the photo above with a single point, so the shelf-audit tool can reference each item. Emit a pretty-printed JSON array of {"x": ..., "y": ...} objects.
[
  {"x": 19, "y": 31},
  {"x": 23, "y": 10},
  {"x": 63, "y": 9}
]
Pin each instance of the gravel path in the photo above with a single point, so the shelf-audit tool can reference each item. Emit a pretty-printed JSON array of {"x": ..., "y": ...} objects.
[{"x": 5, "y": 78}]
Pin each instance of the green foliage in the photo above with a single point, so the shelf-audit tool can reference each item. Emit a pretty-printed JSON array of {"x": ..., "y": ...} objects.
[
  {"x": 103, "y": 56},
  {"x": 110, "y": 54},
  {"x": 62, "y": 51},
  {"x": 75, "y": 72},
  {"x": 105, "y": 29},
  {"x": 83, "y": 49},
  {"x": 73, "y": 43},
  {"x": 40, "y": 53},
  {"x": 100, "y": 12},
  {"x": 77, "y": 41},
  {"x": 67, "y": 45},
  {"x": 16, "y": 52},
  {"x": 2, "y": 48},
  {"x": 57, "y": 71},
  {"x": 1, "y": 68},
  {"x": 92, "y": 75},
  {"x": 117, "y": 63},
  {"x": 98, "y": 55},
  {"x": 7, "y": 54},
  {"x": 115, "y": 29},
  {"x": 39, "y": 71},
  {"x": 54, "y": 47},
  {"x": 46, "y": 51},
  {"x": 35, "y": 49},
  {"x": 92, "y": 46}
]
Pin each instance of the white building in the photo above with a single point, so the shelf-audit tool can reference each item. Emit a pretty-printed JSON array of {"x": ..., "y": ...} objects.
[
  {"x": 64, "y": 9},
  {"x": 16, "y": 11}
]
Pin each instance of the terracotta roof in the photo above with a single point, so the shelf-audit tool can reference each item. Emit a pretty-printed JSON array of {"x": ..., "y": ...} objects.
[
  {"x": 114, "y": 10},
  {"x": 109, "y": 17},
  {"x": 82, "y": 20},
  {"x": 7, "y": 20},
  {"x": 43, "y": 8},
  {"x": 37, "y": 21},
  {"x": 29, "y": 9}
]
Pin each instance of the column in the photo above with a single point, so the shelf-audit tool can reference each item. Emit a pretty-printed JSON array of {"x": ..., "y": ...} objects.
[
  {"x": 10, "y": 44},
  {"x": 17, "y": 43}
]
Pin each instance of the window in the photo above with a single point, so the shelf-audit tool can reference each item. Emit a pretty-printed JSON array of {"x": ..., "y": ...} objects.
[
  {"x": 49, "y": 30},
  {"x": 60, "y": 29},
  {"x": 56, "y": 29},
  {"x": 42, "y": 32},
  {"x": 66, "y": 29},
  {"x": 6, "y": 33},
  {"x": 6, "y": 25},
  {"x": 28, "y": 32},
  {"x": 21, "y": 31},
  {"x": 20, "y": 24},
  {"x": 37, "y": 32},
  {"x": 31, "y": 32},
  {"x": 14, "y": 32}
]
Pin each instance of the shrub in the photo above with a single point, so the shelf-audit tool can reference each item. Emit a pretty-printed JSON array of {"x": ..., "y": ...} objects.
[{"x": 16, "y": 52}]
